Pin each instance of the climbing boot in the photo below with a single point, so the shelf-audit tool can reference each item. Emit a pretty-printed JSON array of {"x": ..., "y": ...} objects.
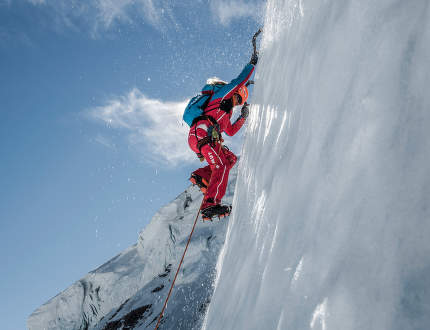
[{"x": 200, "y": 182}]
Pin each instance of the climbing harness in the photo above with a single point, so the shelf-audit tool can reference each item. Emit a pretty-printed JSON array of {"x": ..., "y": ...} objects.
[{"x": 213, "y": 134}]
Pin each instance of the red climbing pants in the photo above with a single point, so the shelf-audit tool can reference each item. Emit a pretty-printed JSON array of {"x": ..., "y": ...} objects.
[{"x": 220, "y": 161}]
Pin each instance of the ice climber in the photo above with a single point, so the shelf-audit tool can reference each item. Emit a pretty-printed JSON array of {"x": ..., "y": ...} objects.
[{"x": 205, "y": 137}]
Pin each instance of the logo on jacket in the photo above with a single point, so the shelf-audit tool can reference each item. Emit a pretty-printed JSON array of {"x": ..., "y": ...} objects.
[{"x": 211, "y": 157}]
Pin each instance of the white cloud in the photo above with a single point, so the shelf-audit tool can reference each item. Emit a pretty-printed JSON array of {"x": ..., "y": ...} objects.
[
  {"x": 102, "y": 15},
  {"x": 110, "y": 11},
  {"x": 152, "y": 126},
  {"x": 225, "y": 11},
  {"x": 152, "y": 14},
  {"x": 37, "y": 2}
]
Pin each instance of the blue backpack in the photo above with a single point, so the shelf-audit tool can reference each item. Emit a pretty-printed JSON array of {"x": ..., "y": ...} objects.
[{"x": 196, "y": 107}]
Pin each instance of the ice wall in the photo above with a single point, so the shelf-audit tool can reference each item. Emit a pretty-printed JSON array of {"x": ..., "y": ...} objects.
[{"x": 331, "y": 221}]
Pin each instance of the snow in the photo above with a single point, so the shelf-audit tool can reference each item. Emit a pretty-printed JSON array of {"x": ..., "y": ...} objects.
[
  {"x": 130, "y": 289},
  {"x": 330, "y": 223}
]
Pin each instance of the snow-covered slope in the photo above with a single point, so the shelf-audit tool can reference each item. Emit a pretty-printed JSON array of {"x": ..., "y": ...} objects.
[
  {"x": 331, "y": 223},
  {"x": 129, "y": 290}
]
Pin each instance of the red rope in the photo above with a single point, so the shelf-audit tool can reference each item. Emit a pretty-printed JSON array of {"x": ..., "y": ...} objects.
[{"x": 179, "y": 267}]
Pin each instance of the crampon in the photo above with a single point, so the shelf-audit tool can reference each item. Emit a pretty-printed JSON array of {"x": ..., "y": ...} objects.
[{"x": 217, "y": 210}]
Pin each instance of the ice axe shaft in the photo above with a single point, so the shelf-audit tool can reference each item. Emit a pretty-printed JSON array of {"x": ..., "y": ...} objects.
[{"x": 254, "y": 40}]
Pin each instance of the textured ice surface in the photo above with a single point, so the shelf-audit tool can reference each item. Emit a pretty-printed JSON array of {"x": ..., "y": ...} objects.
[
  {"x": 331, "y": 223},
  {"x": 129, "y": 290}
]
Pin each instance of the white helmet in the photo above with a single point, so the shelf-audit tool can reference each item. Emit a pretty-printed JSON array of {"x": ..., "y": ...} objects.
[{"x": 215, "y": 81}]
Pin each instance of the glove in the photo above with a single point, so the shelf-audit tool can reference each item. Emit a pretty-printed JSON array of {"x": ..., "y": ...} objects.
[
  {"x": 254, "y": 59},
  {"x": 244, "y": 112}
]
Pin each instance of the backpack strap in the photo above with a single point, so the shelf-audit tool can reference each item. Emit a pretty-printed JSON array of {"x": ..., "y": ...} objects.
[
  {"x": 205, "y": 117},
  {"x": 205, "y": 104}
]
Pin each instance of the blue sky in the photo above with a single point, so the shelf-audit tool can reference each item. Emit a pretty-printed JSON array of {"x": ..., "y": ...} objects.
[{"x": 91, "y": 138}]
